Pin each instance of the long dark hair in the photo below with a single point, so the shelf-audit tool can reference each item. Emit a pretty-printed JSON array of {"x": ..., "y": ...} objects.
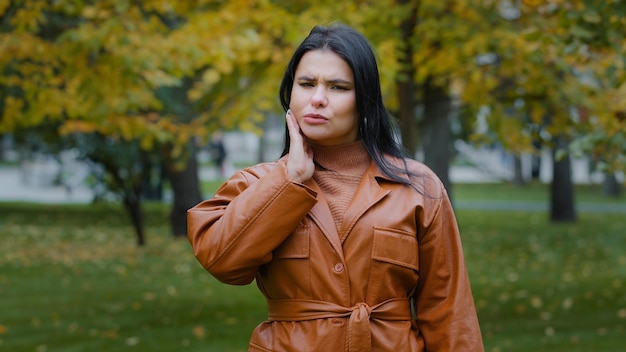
[{"x": 375, "y": 126}]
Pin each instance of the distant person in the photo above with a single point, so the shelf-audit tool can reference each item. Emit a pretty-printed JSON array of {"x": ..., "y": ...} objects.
[
  {"x": 354, "y": 245},
  {"x": 218, "y": 153}
]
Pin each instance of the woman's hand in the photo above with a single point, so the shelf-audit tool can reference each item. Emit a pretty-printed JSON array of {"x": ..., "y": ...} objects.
[{"x": 300, "y": 165}]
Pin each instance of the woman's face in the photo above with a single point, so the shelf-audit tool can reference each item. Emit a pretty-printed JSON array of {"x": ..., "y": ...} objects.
[{"x": 323, "y": 99}]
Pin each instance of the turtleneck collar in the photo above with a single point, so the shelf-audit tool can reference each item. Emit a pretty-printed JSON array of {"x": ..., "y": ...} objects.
[{"x": 351, "y": 158}]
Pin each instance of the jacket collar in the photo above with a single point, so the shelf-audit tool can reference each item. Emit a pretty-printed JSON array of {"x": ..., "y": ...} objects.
[
  {"x": 377, "y": 173},
  {"x": 368, "y": 193}
]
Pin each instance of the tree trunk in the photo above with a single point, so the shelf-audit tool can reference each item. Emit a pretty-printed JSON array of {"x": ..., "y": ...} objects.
[
  {"x": 405, "y": 84},
  {"x": 518, "y": 176},
  {"x": 262, "y": 147},
  {"x": 436, "y": 132},
  {"x": 562, "y": 207},
  {"x": 611, "y": 187},
  {"x": 128, "y": 187},
  {"x": 2, "y": 145},
  {"x": 186, "y": 188},
  {"x": 133, "y": 207},
  {"x": 151, "y": 177}
]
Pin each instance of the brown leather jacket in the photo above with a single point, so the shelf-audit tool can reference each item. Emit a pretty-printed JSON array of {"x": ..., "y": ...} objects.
[{"x": 347, "y": 291}]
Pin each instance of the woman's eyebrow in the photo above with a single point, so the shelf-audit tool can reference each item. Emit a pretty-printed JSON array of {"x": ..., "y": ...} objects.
[
  {"x": 305, "y": 78},
  {"x": 331, "y": 81},
  {"x": 339, "y": 81}
]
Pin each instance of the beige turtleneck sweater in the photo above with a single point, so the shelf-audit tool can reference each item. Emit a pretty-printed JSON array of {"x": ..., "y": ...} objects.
[{"x": 342, "y": 168}]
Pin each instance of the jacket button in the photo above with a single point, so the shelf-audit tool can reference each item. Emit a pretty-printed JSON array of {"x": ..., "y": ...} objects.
[{"x": 338, "y": 267}]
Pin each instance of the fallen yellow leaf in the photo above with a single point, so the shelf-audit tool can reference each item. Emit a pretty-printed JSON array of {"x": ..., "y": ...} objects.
[{"x": 198, "y": 331}]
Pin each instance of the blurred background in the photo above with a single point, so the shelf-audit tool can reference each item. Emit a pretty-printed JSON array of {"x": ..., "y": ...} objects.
[{"x": 117, "y": 116}]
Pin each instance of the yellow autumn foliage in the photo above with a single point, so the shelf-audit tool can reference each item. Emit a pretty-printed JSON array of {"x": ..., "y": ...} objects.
[{"x": 98, "y": 65}]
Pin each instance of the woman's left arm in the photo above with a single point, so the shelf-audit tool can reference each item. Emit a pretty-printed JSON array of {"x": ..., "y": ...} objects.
[{"x": 445, "y": 309}]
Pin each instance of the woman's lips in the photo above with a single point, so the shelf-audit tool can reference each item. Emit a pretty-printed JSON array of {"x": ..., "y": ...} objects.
[{"x": 314, "y": 119}]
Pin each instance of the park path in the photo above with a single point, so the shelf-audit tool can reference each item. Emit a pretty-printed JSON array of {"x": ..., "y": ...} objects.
[
  {"x": 14, "y": 187},
  {"x": 492, "y": 205},
  {"x": 35, "y": 185}
]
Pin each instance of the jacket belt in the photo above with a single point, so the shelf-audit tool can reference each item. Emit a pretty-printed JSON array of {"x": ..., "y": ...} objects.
[{"x": 359, "y": 331}]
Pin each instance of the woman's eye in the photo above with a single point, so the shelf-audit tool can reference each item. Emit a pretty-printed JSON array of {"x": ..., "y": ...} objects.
[
  {"x": 339, "y": 88},
  {"x": 306, "y": 84}
]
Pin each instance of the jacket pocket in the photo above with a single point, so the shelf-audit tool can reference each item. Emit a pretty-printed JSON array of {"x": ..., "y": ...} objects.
[
  {"x": 296, "y": 245},
  {"x": 396, "y": 247}
]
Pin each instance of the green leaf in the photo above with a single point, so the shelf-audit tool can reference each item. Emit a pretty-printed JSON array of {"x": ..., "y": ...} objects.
[{"x": 581, "y": 32}]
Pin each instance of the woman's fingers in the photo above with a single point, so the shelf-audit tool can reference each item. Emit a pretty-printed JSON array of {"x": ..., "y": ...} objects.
[
  {"x": 300, "y": 165},
  {"x": 294, "y": 128}
]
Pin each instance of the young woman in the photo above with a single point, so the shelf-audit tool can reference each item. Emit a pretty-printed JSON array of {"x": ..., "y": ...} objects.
[{"x": 354, "y": 245}]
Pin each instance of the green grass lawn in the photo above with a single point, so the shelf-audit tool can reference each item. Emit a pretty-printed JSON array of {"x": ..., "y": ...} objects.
[
  {"x": 535, "y": 191},
  {"x": 72, "y": 279}
]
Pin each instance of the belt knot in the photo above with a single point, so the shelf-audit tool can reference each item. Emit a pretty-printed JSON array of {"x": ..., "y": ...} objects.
[
  {"x": 359, "y": 331},
  {"x": 361, "y": 310}
]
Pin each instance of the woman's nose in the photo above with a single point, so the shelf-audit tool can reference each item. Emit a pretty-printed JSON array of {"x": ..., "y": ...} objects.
[{"x": 319, "y": 98}]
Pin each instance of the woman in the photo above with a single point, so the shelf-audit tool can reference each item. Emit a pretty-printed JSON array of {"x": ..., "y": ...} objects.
[{"x": 354, "y": 246}]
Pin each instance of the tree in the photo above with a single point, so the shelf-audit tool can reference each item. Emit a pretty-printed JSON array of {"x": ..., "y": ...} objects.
[
  {"x": 552, "y": 55},
  {"x": 162, "y": 76},
  {"x": 405, "y": 80},
  {"x": 59, "y": 54},
  {"x": 119, "y": 168},
  {"x": 108, "y": 66}
]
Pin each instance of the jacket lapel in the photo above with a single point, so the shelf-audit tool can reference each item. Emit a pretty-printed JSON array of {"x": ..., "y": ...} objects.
[
  {"x": 323, "y": 218},
  {"x": 367, "y": 194}
]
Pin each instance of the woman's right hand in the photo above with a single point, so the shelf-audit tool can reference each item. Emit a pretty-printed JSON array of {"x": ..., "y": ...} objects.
[{"x": 300, "y": 164}]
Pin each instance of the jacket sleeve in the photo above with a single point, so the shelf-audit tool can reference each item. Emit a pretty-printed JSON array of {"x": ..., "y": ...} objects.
[
  {"x": 446, "y": 315},
  {"x": 235, "y": 232}
]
